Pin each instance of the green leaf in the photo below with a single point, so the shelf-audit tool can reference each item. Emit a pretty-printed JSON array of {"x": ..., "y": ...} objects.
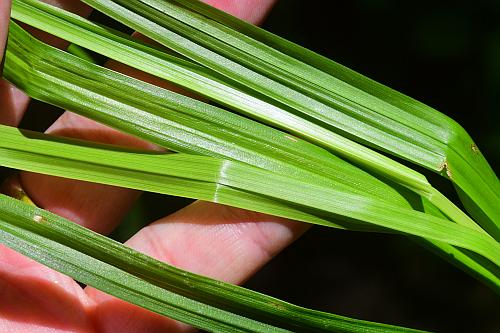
[
  {"x": 81, "y": 53},
  {"x": 175, "y": 121},
  {"x": 252, "y": 166},
  {"x": 348, "y": 104},
  {"x": 190, "y": 126},
  {"x": 115, "y": 45},
  {"x": 468, "y": 261},
  {"x": 120, "y": 271},
  {"x": 23, "y": 228},
  {"x": 459, "y": 148},
  {"x": 227, "y": 182}
]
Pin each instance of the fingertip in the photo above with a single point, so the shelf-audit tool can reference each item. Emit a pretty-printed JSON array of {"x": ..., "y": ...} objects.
[
  {"x": 252, "y": 11},
  {"x": 218, "y": 241},
  {"x": 222, "y": 242}
]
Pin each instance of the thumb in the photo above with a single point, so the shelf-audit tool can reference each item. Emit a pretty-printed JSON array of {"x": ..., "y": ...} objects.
[{"x": 4, "y": 26}]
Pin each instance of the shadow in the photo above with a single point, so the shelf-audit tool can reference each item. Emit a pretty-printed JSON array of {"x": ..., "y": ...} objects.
[
  {"x": 66, "y": 137},
  {"x": 39, "y": 116}
]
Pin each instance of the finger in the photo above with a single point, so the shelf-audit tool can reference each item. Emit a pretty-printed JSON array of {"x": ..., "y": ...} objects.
[
  {"x": 219, "y": 241},
  {"x": 253, "y": 11},
  {"x": 95, "y": 206},
  {"x": 33, "y": 297},
  {"x": 91, "y": 204},
  {"x": 259, "y": 244},
  {"x": 38, "y": 299},
  {"x": 222, "y": 242},
  {"x": 4, "y": 23},
  {"x": 13, "y": 102},
  {"x": 74, "y": 6}
]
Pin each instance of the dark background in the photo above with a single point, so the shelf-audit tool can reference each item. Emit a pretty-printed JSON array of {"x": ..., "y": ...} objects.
[{"x": 446, "y": 54}]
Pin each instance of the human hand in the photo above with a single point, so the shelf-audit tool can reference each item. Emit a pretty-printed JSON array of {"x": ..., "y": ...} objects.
[{"x": 217, "y": 241}]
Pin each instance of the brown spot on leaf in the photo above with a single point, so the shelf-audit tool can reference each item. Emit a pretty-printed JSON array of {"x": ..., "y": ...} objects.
[
  {"x": 277, "y": 305},
  {"x": 445, "y": 168},
  {"x": 474, "y": 148}
]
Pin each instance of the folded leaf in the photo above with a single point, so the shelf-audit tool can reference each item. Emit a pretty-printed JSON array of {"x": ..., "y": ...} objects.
[
  {"x": 115, "y": 45},
  {"x": 187, "y": 125},
  {"x": 228, "y": 182},
  {"x": 348, "y": 104},
  {"x": 175, "y": 121}
]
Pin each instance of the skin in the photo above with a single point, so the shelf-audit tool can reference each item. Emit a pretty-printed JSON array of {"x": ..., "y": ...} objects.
[{"x": 214, "y": 240}]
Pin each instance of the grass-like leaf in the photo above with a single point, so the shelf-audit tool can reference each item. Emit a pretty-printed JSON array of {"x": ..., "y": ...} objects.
[
  {"x": 80, "y": 31},
  {"x": 244, "y": 163},
  {"x": 187, "y": 125},
  {"x": 175, "y": 121},
  {"x": 227, "y": 182},
  {"x": 114, "y": 268},
  {"x": 385, "y": 120}
]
